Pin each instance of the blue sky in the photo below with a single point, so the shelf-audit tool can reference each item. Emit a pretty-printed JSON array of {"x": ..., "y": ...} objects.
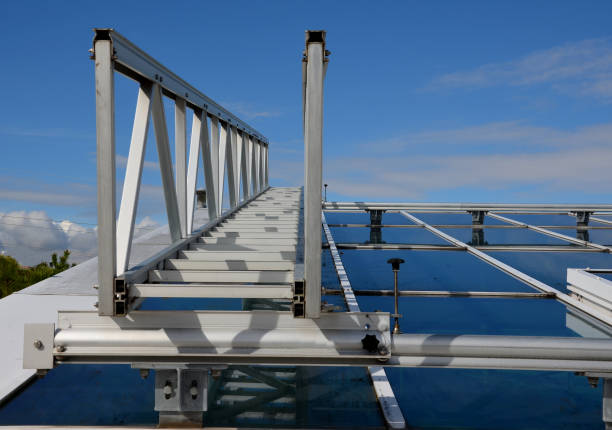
[{"x": 424, "y": 101}]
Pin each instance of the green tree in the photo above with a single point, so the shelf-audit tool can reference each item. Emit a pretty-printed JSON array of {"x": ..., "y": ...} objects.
[{"x": 14, "y": 277}]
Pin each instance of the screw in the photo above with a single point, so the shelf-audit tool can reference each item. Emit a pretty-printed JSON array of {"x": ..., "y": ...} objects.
[
  {"x": 38, "y": 344},
  {"x": 144, "y": 373},
  {"x": 194, "y": 389},
  {"x": 60, "y": 348}
]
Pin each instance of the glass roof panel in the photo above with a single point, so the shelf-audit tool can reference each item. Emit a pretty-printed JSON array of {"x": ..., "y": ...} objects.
[
  {"x": 551, "y": 267},
  {"x": 392, "y": 218},
  {"x": 453, "y": 219},
  {"x": 367, "y": 235},
  {"x": 426, "y": 270},
  {"x": 504, "y": 236},
  {"x": 545, "y": 219}
]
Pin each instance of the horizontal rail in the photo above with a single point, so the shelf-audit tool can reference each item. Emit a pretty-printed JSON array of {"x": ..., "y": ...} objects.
[
  {"x": 259, "y": 291},
  {"x": 422, "y": 247},
  {"x": 426, "y": 293},
  {"x": 137, "y": 64},
  {"x": 466, "y": 207}
]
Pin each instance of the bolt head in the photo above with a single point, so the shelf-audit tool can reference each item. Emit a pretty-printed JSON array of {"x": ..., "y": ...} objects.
[
  {"x": 395, "y": 263},
  {"x": 38, "y": 344}
]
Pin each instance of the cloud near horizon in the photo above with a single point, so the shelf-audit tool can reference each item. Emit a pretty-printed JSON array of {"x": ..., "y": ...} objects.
[{"x": 31, "y": 237}]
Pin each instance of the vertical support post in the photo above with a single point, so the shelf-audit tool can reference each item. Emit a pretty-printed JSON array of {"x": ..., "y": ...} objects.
[
  {"x": 239, "y": 154},
  {"x": 105, "y": 142},
  {"x": 214, "y": 160},
  {"x": 266, "y": 171},
  {"x": 230, "y": 155},
  {"x": 607, "y": 403},
  {"x": 313, "y": 175},
  {"x": 224, "y": 141},
  {"x": 248, "y": 148},
  {"x": 209, "y": 178},
  {"x": 245, "y": 169},
  {"x": 256, "y": 155},
  {"x": 180, "y": 155}
]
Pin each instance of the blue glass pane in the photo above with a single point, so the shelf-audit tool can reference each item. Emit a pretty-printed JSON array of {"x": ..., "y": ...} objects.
[
  {"x": 453, "y": 219},
  {"x": 367, "y": 235},
  {"x": 496, "y": 399},
  {"x": 602, "y": 236},
  {"x": 503, "y": 236},
  {"x": 364, "y": 218},
  {"x": 426, "y": 270},
  {"x": 547, "y": 219},
  {"x": 115, "y": 395},
  {"x": 461, "y": 315},
  {"x": 551, "y": 267}
]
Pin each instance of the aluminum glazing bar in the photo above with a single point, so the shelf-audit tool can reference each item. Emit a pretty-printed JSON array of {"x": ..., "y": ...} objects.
[
  {"x": 428, "y": 293},
  {"x": 134, "y": 62},
  {"x": 515, "y": 248},
  {"x": 550, "y": 233},
  {"x": 564, "y": 298},
  {"x": 105, "y": 143},
  {"x": 384, "y": 392},
  {"x": 466, "y": 207}
]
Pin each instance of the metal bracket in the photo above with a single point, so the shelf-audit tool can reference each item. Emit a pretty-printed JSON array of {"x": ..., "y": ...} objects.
[
  {"x": 181, "y": 396},
  {"x": 120, "y": 297},
  {"x": 38, "y": 346},
  {"x": 582, "y": 218},
  {"x": 299, "y": 292},
  {"x": 478, "y": 217}
]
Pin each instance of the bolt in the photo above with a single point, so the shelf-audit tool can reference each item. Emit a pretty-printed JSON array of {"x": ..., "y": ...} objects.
[
  {"x": 168, "y": 390},
  {"x": 194, "y": 389},
  {"x": 38, "y": 344},
  {"x": 144, "y": 373},
  {"x": 60, "y": 348},
  {"x": 96, "y": 286}
]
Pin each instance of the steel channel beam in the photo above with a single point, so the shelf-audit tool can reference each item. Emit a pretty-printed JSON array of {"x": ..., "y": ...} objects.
[
  {"x": 384, "y": 392},
  {"x": 538, "y": 285}
]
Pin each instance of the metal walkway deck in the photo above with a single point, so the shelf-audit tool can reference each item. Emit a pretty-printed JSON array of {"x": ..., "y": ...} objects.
[{"x": 250, "y": 255}]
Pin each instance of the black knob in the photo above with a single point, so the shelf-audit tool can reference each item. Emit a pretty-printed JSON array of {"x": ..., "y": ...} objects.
[{"x": 395, "y": 263}]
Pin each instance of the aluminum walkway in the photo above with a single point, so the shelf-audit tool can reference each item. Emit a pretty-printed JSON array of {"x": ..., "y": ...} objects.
[{"x": 250, "y": 255}]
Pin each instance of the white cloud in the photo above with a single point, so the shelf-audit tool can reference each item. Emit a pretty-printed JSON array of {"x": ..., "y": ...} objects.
[
  {"x": 502, "y": 157},
  {"x": 31, "y": 237},
  {"x": 580, "y": 68}
]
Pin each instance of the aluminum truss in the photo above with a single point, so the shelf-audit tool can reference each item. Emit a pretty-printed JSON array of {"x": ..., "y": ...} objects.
[{"x": 232, "y": 144}]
